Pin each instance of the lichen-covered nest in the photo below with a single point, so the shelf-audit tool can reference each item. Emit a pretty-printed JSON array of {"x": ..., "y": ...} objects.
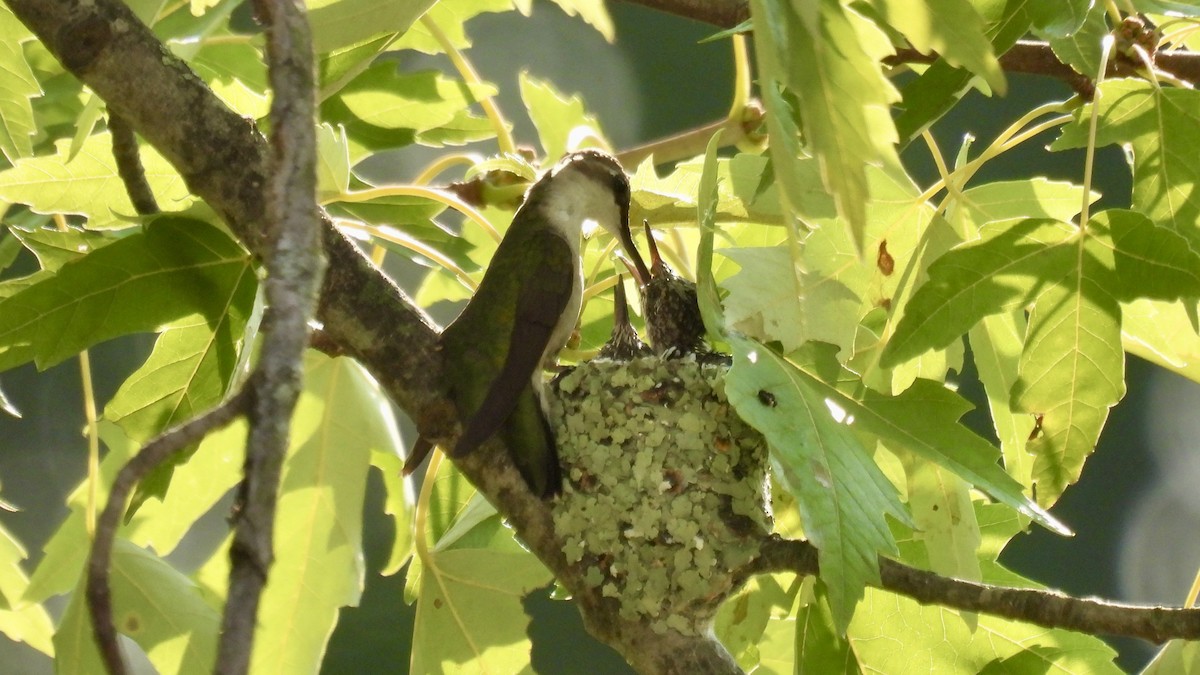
[{"x": 666, "y": 487}]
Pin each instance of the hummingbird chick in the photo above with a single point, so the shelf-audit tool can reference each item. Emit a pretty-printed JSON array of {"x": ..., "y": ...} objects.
[
  {"x": 671, "y": 308},
  {"x": 624, "y": 345},
  {"x": 524, "y": 311}
]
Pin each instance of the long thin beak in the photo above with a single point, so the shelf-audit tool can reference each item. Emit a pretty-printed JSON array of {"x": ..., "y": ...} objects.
[{"x": 641, "y": 273}]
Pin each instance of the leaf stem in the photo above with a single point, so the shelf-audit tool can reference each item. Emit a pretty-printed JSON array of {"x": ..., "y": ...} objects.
[
  {"x": 401, "y": 238},
  {"x": 421, "y": 542},
  {"x": 432, "y": 194},
  {"x": 443, "y": 163},
  {"x": 1090, "y": 153},
  {"x": 467, "y": 71}
]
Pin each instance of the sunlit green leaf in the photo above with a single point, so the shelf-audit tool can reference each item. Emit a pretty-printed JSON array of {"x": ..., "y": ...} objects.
[
  {"x": 1072, "y": 368},
  {"x": 469, "y": 607},
  {"x": 156, "y": 606},
  {"x": 1151, "y": 261},
  {"x": 935, "y": 91},
  {"x": 1006, "y": 269},
  {"x": 19, "y": 621},
  {"x": 338, "y": 23},
  {"x": 843, "y": 497},
  {"x": 563, "y": 124},
  {"x": 951, "y": 28},
  {"x": 822, "y": 54},
  {"x": 591, "y": 11},
  {"x": 451, "y": 17},
  {"x": 894, "y": 634},
  {"x": 341, "y": 417},
  {"x": 17, "y": 86},
  {"x": 1081, "y": 48},
  {"x": 175, "y": 268},
  {"x": 1160, "y": 125},
  {"x": 88, "y": 185}
]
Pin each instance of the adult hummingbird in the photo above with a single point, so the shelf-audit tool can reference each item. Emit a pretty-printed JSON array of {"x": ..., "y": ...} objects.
[{"x": 526, "y": 307}]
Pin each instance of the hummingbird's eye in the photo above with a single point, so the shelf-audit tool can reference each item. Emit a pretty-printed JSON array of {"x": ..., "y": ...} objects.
[{"x": 621, "y": 189}]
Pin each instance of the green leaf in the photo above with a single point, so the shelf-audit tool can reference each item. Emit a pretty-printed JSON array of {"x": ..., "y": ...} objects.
[
  {"x": 742, "y": 619},
  {"x": 563, "y": 124},
  {"x": 417, "y": 101},
  {"x": 1151, "y": 261},
  {"x": 1081, "y": 48},
  {"x": 189, "y": 370},
  {"x": 333, "y": 162},
  {"x": 1177, "y": 656},
  {"x": 824, "y": 54},
  {"x": 465, "y": 127},
  {"x": 469, "y": 608},
  {"x": 820, "y": 644},
  {"x": 88, "y": 185},
  {"x": 341, "y": 417},
  {"x": 996, "y": 344},
  {"x": 841, "y": 492},
  {"x": 54, "y": 248},
  {"x": 936, "y": 90},
  {"x": 20, "y": 621},
  {"x": 1058, "y": 19},
  {"x": 940, "y": 503},
  {"x": 398, "y": 503},
  {"x": 18, "y": 86},
  {"x": 1072, "y": 368},
  {"x": 924, "y": 420},
  {"x": 237, "y": 75},
  {"x": 174, "y": 268},
  {"x": 951, "y": 28},
  {"x": 894, "y": 634},
  {"x": 1163, "y": 333},
  {"x": 156, "y": 606},
  {"x": 593, "y": 12},
  {"x": 1007, "y": 268},
  {"x": 764, "y": 298},
  {"x": 1035, "y": 197},
  {"x": 451, "y": 17},
  {"x": 1160, "y": 125},
  {"x": 339, "y": 23}
]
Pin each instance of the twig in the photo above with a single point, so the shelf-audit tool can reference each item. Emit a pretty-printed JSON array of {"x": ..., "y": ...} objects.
[
  {"x": 720, "y": 13},
  {"x": 692, "y": 142},
  {"x": 1025, "y": 57},
  {"x": 129, "y": 165},
  {"x": 99, "y": 592},
  {"x": 294, "y": 268},
  {"x": 1048, "y": 609}
]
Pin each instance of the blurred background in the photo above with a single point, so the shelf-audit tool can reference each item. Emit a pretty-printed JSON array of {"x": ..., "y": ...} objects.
[{"x": 1135, "y": 510}]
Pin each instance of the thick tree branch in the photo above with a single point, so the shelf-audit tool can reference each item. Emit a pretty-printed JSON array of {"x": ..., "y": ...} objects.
[
  {"x": 1041, "y": 607},
  {"x": 295, "y": 265},
  {"x": 157, "y": 451}
]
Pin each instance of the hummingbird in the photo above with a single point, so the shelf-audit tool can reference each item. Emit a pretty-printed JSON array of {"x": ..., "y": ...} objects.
[
  {"x": 525, "y": 309},
  {"x": 624, "y": 344},
  {"x": 672, "y": 309}
]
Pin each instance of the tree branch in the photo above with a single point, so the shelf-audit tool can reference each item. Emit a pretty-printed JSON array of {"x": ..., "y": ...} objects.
[
  {"x": 224, "y": 160},
  {"x": 99, "y": 591},
  {"x": 129, "y": 165},
  {"x": 295, "y": 265},
  {"x": 1030, "y": 605},
  {"x": 1035, "y": 58}
]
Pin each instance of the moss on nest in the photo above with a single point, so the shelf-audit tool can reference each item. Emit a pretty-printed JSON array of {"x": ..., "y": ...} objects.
[{"x": 665, "y": 489}]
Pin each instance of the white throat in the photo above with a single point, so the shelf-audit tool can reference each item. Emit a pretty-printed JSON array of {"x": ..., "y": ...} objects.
[{"x": 577, "y": 203}]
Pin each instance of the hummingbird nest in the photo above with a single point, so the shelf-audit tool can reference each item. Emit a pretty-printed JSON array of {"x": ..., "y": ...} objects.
[{"x": 666, "y": 487}]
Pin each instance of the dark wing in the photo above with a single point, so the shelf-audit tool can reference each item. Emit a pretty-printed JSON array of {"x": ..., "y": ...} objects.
[{"x": 541, "y": 299}]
